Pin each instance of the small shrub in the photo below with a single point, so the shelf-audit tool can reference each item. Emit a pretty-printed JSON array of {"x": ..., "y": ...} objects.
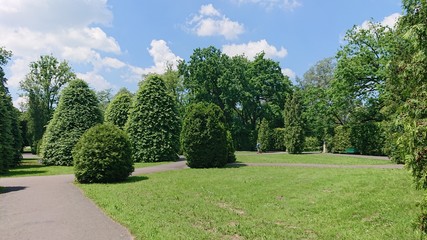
[
  {"x": 312, "y": 144},
  {"x": 265, "y": 135},
  {"x": 278, "y": 139},
  {"x": 102, "y": 154},
  {"x": 204, "y": 138}
]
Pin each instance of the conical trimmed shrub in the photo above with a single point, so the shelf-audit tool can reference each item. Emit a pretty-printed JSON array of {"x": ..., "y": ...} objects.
[
  {"x": 153, "y": 125},
  {"x": 117, "y": 111},
  {"x": 77, "y": 111}
]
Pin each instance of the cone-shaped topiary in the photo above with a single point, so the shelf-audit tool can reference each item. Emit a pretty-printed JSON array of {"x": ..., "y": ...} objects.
[
  {"x": 77, "y": 111},
  {"x": 153, "y": 125},
  {"x": 102, "y": 154},
  {"x": 204, "y": 138},
  {"x": 294, "y": 126},
  {"x": 117, "y": 111},
  {"x": 231, "y": 157}
]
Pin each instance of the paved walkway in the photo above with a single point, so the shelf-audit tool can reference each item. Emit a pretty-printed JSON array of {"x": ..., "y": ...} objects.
[{"x": 51, "y": 208}]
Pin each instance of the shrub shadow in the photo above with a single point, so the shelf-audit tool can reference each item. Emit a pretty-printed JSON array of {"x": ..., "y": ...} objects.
[
  {"x": 235, "y": 165},
  {"x": 11, "y": 189},
  {"x": 23, "y": 173},
  {"x": 132, "y": 179}
]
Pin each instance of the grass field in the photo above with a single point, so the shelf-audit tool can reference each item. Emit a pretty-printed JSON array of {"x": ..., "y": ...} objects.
[
  {"x": 263, "y": 203},
  {"x": 317, "y": 158},
  {"x": 32, "y": 167}
]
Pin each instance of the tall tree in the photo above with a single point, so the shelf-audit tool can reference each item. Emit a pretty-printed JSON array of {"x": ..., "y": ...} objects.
[
  {"x": 42, "y": 85},
  {"x": 294, "y": 126},
  {"x": 77, "y": 111},
  {"x": 117, "y": 111},
  {"x": 153, "y": 125},
  {"x": 317, "y": 109},
  {"x": 10, "y": 136}
]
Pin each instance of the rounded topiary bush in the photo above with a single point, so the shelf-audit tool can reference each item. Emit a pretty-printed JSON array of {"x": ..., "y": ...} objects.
[
  {"x": 204, "y": 137},
  {"x": 103, "y": 154}
]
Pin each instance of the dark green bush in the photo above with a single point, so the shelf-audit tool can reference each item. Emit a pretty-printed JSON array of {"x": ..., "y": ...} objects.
[
  {"x": 204, "y": 138},
  {"x": 117, "y": 111},
  {"x": 278, "y": 139},
  {"x": 265, "y": 135},
  {"x": 153, "y": 126},
  {"x": 102, "y": 154},
  {"x": 294, "y": 127},
  {"x": 341, "y": 140},
  {"x": 312, "y": 144},
  {"x": 368, "y": 138},
  {"x": 231, "y": 157},
  {"x": 77, "y": 111}
]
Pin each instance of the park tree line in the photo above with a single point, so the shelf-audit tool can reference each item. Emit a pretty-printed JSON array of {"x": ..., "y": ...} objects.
[{"x": 368, "y": 98}]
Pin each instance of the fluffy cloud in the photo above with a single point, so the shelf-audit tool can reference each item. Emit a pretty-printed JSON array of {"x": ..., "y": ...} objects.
[
  {"x": 95, "y": 80},
  {"x": 288, "y": 72},
  {"x": 251, "y": 49},
  {"x": 389, "y": 21},
  {"x": 64, "y": 29},
  {"x": 210, "y": 22},
  {"x": 162, "y": 57},
  {"x": 289, "y": 5}
]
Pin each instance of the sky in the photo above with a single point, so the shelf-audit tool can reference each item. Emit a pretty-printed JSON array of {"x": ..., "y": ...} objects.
[{"x": 112, "y": 43}]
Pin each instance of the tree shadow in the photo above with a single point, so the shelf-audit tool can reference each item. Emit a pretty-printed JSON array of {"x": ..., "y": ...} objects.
[
  {"x": 236, "y": 165},
  {"x": 23, "y": 173},
  {"x": 11, "y": 189}
]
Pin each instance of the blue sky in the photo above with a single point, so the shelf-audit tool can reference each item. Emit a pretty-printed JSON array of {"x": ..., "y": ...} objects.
[{"x": 110, "y": 44}]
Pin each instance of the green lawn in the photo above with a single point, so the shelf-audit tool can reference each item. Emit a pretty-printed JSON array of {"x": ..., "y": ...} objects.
[
  {"x": 317, "y": 158},
  {"x": 263, "y": 203},
  {"x": 32, "y": 167}
]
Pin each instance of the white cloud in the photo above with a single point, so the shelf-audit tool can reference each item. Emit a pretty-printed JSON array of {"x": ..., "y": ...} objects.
[
  {"x": 61, "y": 28},
  {"x": 388, "y": 21},
  {"x": 251, "y": 49},
  {"x": 288, "y": 72},
  {"x": 289, "y": 5},
  {"x": 95, "y": 80},
  {"x": 210, "y": 22},
  {"x": 20, "y": 102},
  {"x": 162, "y": 57}
]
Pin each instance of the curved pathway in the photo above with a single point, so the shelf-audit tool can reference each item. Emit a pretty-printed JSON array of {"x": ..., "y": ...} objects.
[{"x": 51, "y": 207}]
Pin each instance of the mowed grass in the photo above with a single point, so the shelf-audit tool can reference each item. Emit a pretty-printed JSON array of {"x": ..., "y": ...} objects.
[
  {"x": 32, "y": 167},
  {"x": 263, "y": 203},
  {"x": 311, "y": 158}
]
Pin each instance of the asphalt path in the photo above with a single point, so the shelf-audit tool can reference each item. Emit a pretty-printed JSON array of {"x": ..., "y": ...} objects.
[{"x": 52, "y": 208}]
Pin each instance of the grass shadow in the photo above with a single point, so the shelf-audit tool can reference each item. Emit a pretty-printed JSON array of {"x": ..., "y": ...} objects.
[
  {"x": 23, "y": 173},
  {"x": 11, "y": 189}
]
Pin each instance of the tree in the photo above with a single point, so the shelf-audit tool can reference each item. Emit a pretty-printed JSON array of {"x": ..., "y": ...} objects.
[
  {"x": 265, "y": 134},
  {"x": 77, "y": 111},
  {"x": 316, "y": 102},
  {"x": 153, "y": 125},
  {"x": 294, "y": 128},
  {"x": 117, "y": 111},
  {"x": 10, "y": 136},
  {"x": 42, "y": 86},
  {"x": 102, "y": 154},
  {"x": 204, "y": 137},
  {"x": 104, "y": 98}
]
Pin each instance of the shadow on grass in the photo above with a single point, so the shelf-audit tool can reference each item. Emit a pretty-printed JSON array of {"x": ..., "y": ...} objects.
[
  {"x": 235, "y": 165},
  {"x": 21, "y": 173},
  {"x": 11, "y": 189}
]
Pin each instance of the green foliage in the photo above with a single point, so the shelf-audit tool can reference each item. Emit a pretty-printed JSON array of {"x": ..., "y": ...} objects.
[
  {"x": 153, "y": 125},
  {"x": 246, "y": 91},
  {"x": 104, "y": 98},
  {"x": 42, "y": 85},
  {"x": 265, "y": 136},
  {"x": 10, "y": 136},
  {"x": 294, "y": 128},
  {"x": 341, "y": 140},
  {"x": 278, "y": 139},
  {"x": 204, "y": 137},
  {"x": 77, "y": 111},
  {"x": 103, "y": 154},
  {"x": 367, "y": 138},
  {"x": 117, "y": 111},
  {"x": 312, "y": 144},
  {"x": 231, "y": 157}
]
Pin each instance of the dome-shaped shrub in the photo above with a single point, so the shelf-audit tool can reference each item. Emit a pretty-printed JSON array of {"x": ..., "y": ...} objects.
[
  {"x": 204, "y": 138},
  {"x": 102, "y": 154}
]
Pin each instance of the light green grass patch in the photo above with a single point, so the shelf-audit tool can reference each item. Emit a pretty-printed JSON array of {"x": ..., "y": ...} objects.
[
  {"x": 313, "y": 158},
  {"x": 263, "y": 203}
]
